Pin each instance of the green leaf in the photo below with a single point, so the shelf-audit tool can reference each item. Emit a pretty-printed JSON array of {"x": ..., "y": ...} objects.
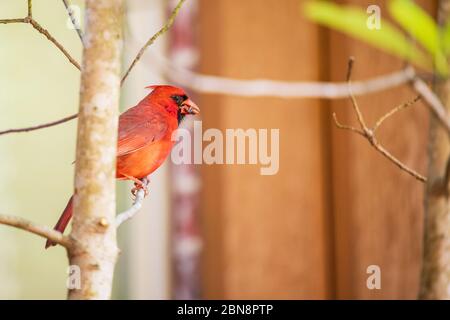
[
  {"x": 422, "y": 27},
  {"x": 353, "y": 21},
  {"x": 445, "y": 38}
]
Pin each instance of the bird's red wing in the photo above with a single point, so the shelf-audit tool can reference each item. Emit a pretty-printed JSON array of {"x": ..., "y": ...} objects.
[{"x": 138, "y": 128}]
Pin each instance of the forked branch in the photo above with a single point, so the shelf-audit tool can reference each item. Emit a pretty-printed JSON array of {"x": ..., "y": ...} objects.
[
  {"x": 369, "y": 133},
  {"x": 30, "y": 20}
]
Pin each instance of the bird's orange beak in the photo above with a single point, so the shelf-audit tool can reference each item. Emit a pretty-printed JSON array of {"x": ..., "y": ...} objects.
[{"x": 189, "y": 107}]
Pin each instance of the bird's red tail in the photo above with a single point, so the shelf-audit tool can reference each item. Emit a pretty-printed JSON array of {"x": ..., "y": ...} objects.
[{"x": 62, "y": 222}]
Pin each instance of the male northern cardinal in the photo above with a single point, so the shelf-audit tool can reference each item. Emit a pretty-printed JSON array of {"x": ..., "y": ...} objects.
[{"x": 144, "y": 140}]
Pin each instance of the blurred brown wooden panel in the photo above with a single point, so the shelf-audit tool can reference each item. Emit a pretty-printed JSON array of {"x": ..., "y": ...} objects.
[
  {"x": 378, "y": 209},
  {"x": 265, "y": 236},
  {"x": 336, "y": 206}
]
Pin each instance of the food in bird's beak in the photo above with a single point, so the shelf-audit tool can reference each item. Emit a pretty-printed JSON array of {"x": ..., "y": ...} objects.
[{"x": 189, "y": 107}]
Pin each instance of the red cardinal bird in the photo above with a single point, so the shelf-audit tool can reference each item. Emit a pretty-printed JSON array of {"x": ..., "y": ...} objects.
[{"x": 144, "y": 140}]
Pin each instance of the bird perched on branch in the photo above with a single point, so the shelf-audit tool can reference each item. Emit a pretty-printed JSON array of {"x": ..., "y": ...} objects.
[{"x": 144, "y": 139}]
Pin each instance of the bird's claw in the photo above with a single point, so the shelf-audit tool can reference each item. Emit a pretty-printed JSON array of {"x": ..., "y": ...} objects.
[{"x": 137, "y": 187}]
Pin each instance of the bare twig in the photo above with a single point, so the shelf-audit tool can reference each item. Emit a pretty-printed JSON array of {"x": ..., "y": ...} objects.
[
  {"x": 133, "y": 210},
  {"x": 39, "y": 230},
  {"x": 29, "y": 19},
  {"x": 75, "y": 23},
  {"x": 19, "y": 20},
  {"x": 393, "y": 111},
  {"x": 283, "y": 89},
  {"x": 161, "y": 31},
  {"x": 352, "y": 97},
  {"x": 369, "y": 133},
  {"x": 433, "y": 102},
  {"x": 41, "y": 126},
  {"x": 345, "y": 127},
  {"x": 43, "y": 31},
  {"x": 30, "y": 9}
]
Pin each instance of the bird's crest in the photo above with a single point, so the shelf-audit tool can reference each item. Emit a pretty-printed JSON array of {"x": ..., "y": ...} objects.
[{"x": 153, "y": 87}]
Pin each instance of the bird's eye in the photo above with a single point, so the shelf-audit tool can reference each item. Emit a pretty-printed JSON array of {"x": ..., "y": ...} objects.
[{"x": 179, "y": 99}]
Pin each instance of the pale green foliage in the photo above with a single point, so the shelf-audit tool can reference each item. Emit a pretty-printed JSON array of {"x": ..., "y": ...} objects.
[
  {"x": 445, "y": 38},
  {"x": 389, "y": 38},
  {"x": 422, "y": 27}
]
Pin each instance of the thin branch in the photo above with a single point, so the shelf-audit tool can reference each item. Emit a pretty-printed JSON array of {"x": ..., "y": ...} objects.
[
  {"x": 41, "y": 126},
  {"x": 394, "y": 111},
  {"x": 345, "y": 127},
  {"x": 433, "y": 102},
  {"x": 19, "y": 20},
  {"x": 75, "y": 23},
  {"x": 352, "y": 97},
  {"x": 133, "y": 210},
  {"x": 39, "y": 230},
  {"x": 371, "y": 138},
  {"x": 281, "y": 89},
  {"x": 43, "y": 31},
  {"x": 29, "y": 19},
  {"x": 399, "y": 164},
  {"x": 369, "y": 133},
  {"x": 30, "y": 9},
  {"x": 163, "y": 30},
  {"x": 350, "y": 63}
]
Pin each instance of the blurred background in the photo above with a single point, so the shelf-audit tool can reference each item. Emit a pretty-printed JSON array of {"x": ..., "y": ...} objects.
[{"x": 334, "y": 208}]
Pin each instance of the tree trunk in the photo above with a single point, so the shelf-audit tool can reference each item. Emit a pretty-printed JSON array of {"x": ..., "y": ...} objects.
[
  {"x": 93, "y": 229},
  {"x": 435, "y": 282},
  {"x": 436, "y": 259}
]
